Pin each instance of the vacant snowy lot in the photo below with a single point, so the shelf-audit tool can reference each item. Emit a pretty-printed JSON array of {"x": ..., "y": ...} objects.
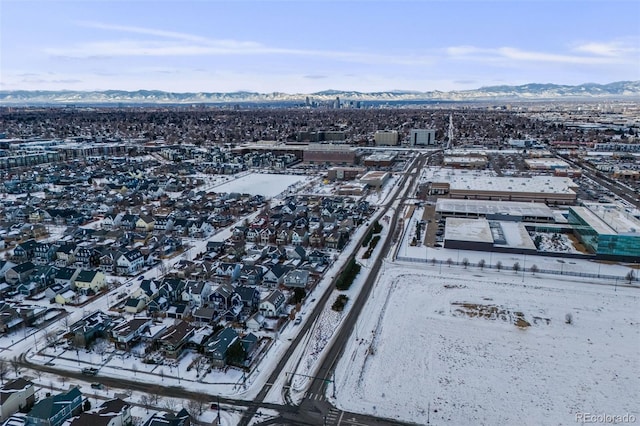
[
  {"x": 260, "y": 184},
  {"x": 485, "y": 348}
]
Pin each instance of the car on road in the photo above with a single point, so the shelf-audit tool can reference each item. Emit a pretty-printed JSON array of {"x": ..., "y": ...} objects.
[
  {"x": 298, "y": 320},
  {"x": 141, "y": 277},
  {"x": 90, "y": 371}
]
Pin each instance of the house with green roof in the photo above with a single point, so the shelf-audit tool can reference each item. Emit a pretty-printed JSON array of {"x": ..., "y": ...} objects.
[{"x": 54, "y": 410}]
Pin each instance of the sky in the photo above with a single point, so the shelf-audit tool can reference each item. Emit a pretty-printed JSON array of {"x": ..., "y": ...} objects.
[{"x": 309, "y": 46}]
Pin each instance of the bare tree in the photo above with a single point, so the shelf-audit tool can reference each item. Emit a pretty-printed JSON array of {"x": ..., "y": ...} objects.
[
  {"x": 200, "y": 365},
  {"x": 15, "y": 365},
  {"x": 196, "y": 406},
  {"x": 50, "y": 338},
  {"x": 630, "y": 276},
  {"x": 449, "y": 262},
  {"x": 465, "y": 262},
  {"x": 145, "y": 401},
  {"x": 568, "y": 319},
  {"x": 481, "y": 264},
  {"x": 4, "y": 369},
  {"x": 154, "y": 396},
  {"x": 534, "y": 269},
  {"x": 433, "y": 260},
  {"x": 134, "y": 367},
  {"x": 516, "y": 267},
  {"x": 498, "y": 265},
  {"x": 170, "y": 404}
]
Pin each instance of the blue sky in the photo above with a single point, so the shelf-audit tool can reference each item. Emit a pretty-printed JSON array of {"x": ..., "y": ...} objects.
[{"x": 307, "y": 46}]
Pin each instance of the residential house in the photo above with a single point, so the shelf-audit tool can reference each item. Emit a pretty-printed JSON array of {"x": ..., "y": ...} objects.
[
  {"x": 19, "y": 273},
  {"x": 16, "y": 395},
  {"x": 114, "y": 412},
  {"x": 163, "y": 224},
  {"x": 196, "y": 292},
  {"x": 135, "y": 305},
  {"x": 296, "y": 278},
  {"x": 205, "y": 315},
  {"x": 87, "y": 257},
  {"x": 182, "y": 418},
  {"x": 219, "y": 345},
  {"x": 224, "y": 297},
  {"x": 130, "y": 263},
  {"x": 65, "y": 254},
  {"x": 145, "y": 224},
  {"x": 250, "y": 298},
  {"x": 252, "y": 275},
  {"x": 172, "y": 342},
  {"x": 230, "y": 270},
  {"x": 273, "y": 305},
  {"x": 90, "y": 327},
  {"x": 25, "y": 250},
  {"x": 87, "y": 281},
  {"x": 66, "y": 276},
  {"x": 275, "y": 275},
  {"x": 43, "y": 253},
  {"x": 128, "y": 333},
  {"x": 317, "y": 256},
  {"x": 255, "y": 322},
  {"x": 55, "y": 410}
]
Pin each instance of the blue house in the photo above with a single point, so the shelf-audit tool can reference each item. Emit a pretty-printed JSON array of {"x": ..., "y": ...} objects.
[{"x": 55, "y": 410}]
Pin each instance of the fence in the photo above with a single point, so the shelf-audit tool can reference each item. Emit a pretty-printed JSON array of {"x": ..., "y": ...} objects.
[{"x": 517, "y": 269}]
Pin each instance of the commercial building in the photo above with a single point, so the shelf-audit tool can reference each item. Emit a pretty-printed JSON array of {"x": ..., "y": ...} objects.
[
  {"x": 418, "y": 137},
  {"x": 329, "y": 154},
  {"x": 375, "y": 178},
  {"x": 386, "y": 137},
  {"x": 380, "y": 159},
  {"x": 481, "y": 186},
  {"x": 344, "y": 173},
  {"x": 608, "y": 230},
  {"x": 545, "y": 164},
  {"x": 495, "y": 210}
]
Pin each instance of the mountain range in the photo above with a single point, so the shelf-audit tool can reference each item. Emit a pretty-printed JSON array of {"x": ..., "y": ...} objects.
[{"x": 527, "y": 92}]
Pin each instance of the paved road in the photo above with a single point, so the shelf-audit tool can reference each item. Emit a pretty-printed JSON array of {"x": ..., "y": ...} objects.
[
  {"x": 315, "y": 409},
  {"x": 605, "y": 182}
]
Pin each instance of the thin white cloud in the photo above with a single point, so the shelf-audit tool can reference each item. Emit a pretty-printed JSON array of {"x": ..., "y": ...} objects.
[
  {"x": 593, "y": 54},
  {"x": 615, "y": 48},
  {"x": 182, "y": 44}
]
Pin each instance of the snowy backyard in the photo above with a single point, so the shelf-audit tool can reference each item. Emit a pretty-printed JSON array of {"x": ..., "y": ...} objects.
[
  {"x": 485, "y": 348},
  {"x": 268, "y": 185}
]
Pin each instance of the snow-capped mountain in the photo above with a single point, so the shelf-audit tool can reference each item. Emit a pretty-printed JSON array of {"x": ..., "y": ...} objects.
[{"x": 534, "y": 91}]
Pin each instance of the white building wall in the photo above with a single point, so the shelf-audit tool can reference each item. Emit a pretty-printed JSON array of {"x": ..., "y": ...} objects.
[{"x": 422, "y": 137}]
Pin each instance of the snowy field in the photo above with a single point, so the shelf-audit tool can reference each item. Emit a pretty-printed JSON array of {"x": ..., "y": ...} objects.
[
  {"x": 261, "y": 184},
  {"x": 485, "y": 348}
]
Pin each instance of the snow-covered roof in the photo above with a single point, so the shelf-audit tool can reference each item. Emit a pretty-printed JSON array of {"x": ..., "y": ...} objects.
[
  {"x": 484, "y": 207},
  {"x": 609, "y": 219},
  {"x": 462, "y": 229}
]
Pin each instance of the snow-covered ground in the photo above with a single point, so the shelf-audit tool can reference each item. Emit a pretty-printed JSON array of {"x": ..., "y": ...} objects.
[
  {"x": 485, "y": 348},
  {"x": 268, "y": 185}
]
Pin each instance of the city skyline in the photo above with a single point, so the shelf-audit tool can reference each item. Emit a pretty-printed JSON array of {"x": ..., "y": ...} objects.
[{"x": 306, "y": 47}]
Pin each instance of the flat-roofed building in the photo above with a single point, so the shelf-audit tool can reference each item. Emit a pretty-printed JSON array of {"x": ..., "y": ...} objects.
[
  {"x": 477, "y": 161},
  {"x": 344, "y": 173},
  {"x": 386, "y": 137},
  {"x": 608, "y": 230},
  {"x": 481, "y": 186},
  {"x": 419, "y": 137},
  {"x": 545, "y": 164},
  {"x": 375, "y": 178},
  {"x": 380, "y": 159},
  {"x": 495, "y": 210},
  {"x": 329, "y": 154}
]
